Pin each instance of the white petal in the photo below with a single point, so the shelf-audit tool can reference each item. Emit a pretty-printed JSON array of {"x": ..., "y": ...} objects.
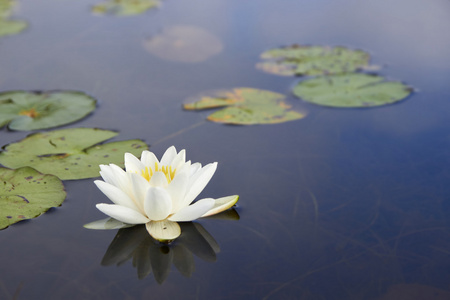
[
  {"x": 139, "y": 187},
  {"x": 149, "y": 159},
  {"x": 157, "y": 204},
  {"x": 116, "y": 195},
  {"x": 198, "y": 182},
  {"x": 193, "y": 211},
  {"x": 222, "y": 204},
  {"x": 184, "y": 167},
  {"x": 122, "y": 213},
  {"x": 133, "y": 164},
  {"x": 121, "y": 179},
  {"x": 163, "y": 230},
  {"x": 159, "y": 179},
  {"x": 107, "y": 174},
  {"x": 194, "y": 168},
  {"x": 179, "y": 160},
  {"x": 177, "y": 190},
  {"x": 108, "y": 223},
  {"x": 168, "y": 156}
]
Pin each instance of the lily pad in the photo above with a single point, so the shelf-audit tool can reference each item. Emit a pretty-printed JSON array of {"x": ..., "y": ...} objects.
[
  {"x": 312, "y": 60},
  {"x": 189, "y": 44},
  {"x": 10, "y": 27},
  {"x": 69, "y": 153},
  {"x": 125, "y": 7},
  {"x": 38, "y": 110},
  {"x": 246, "y": 106},
  {"x": 25, "y": 194},
  {"x": 7, "y": 26},
  {"x": 351, "y": 90}
]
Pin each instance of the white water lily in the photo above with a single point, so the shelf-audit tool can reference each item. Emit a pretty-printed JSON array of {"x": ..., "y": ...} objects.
[{"x": 159, "y": 193}]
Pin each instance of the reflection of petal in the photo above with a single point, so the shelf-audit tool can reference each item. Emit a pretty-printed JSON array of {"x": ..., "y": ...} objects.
[
  {"x": 141, "y": 259},
  {"x": 183, "y": 260},
  {"x": 123, "y": 245},
  {"x": 230, "y": 214},
  {"x": 161, "y": 259},
  {"x": 199, "y": 242}
]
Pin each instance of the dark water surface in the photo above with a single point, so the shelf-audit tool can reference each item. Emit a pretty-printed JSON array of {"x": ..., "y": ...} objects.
[{"x": 344, "y": 204}]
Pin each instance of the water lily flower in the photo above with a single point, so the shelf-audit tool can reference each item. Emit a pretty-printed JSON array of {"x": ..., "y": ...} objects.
[{"x": 159, "y": 193}]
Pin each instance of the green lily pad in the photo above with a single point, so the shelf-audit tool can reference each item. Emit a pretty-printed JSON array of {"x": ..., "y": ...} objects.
[
  {"x": 38, "y": 110},
  {"x": 25, "y": 194},
  {"x": 10, "y": 27},
  {"x": 125, "y": 7},
  {"x": 312, "y": 60},
  {"x": 69, "y": 153},
  {"x": 7, "y": 26},
  {"x": 6, "y": 7},
  {"x": 351, "y": 90},
  {"x": 246, "y": 106}
]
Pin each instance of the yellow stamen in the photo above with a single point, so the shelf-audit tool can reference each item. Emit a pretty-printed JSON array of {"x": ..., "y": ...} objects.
[
  {"x": 148, "y": 172},
  {"x": 32, "y": 113}
]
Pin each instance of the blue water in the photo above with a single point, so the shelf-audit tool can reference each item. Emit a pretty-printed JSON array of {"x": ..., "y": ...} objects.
[{"x": 344, "y": 204}]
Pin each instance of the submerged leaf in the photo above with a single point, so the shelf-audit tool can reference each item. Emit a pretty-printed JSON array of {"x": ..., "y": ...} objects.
[
  {"x": 125, "y": 7},
  {"x": 69, "y": 153},
  {"x": 351, "y": 90},
  {"x": 25, "y": 194},
  {"x": 312, "y": 60},
  {"x": 246, "y": 106},
  {"x": 39, "y": 110},
  {"x": 189, "y": 44}
]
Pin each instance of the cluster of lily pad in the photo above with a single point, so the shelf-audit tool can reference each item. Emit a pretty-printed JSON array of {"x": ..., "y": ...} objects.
[
  {"x": 9, "y": 26},
  {"x": 157, "y": 193},
  {"x": 336, "y": 81},
  {"x": 36, "y": 165}
]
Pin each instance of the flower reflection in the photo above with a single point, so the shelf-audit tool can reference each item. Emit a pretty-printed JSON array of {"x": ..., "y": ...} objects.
[{"x": 150, "y": 256}]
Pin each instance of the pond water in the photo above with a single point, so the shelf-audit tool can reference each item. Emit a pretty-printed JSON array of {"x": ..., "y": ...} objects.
[{"x": 343, "y": 204}]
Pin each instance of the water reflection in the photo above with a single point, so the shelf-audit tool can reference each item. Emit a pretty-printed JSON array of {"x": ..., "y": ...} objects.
[{"x": 150, "y": 256}]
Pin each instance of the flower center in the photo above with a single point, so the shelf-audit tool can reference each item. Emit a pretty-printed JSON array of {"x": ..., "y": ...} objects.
[{"x": 148, "y": 172}]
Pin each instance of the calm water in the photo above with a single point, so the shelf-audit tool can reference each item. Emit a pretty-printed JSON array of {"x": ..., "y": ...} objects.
[{"x": 344, "y": 204}]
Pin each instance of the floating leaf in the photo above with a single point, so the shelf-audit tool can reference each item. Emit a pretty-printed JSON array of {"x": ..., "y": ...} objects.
[
  {"x": 7, "y": 26},
  {"x": 189, "y": 44},
  {"x": 10, "y": 27},
  {"x": 351, "y": 90},
  {"x": 39, "y": 110},
  {"x": 125, "y": 7},
  {"x": 312, "y": 60},
  {"x": 25, "y": 194},
  {"x": 69, "y": 153},
  {"x": 246, "y": 106}
]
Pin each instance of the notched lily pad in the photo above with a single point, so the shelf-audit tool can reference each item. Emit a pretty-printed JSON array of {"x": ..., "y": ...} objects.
[
  {"x": 189, "y": 44},
  {"x": 69, "y": 153},
  {"x": 312, "y": 60},
  {"x": 38, "y": 110},
  {"x": 8, "y": 26},
  {"x": 351, "y": 90},
  {"x": 245, "y": 106},
  {"x": 25, "y": 194},
  {"x": 125, "y": 7}
]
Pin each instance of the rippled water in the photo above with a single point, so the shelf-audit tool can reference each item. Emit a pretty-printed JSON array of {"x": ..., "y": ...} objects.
[{"x": 344, "y": 204}]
